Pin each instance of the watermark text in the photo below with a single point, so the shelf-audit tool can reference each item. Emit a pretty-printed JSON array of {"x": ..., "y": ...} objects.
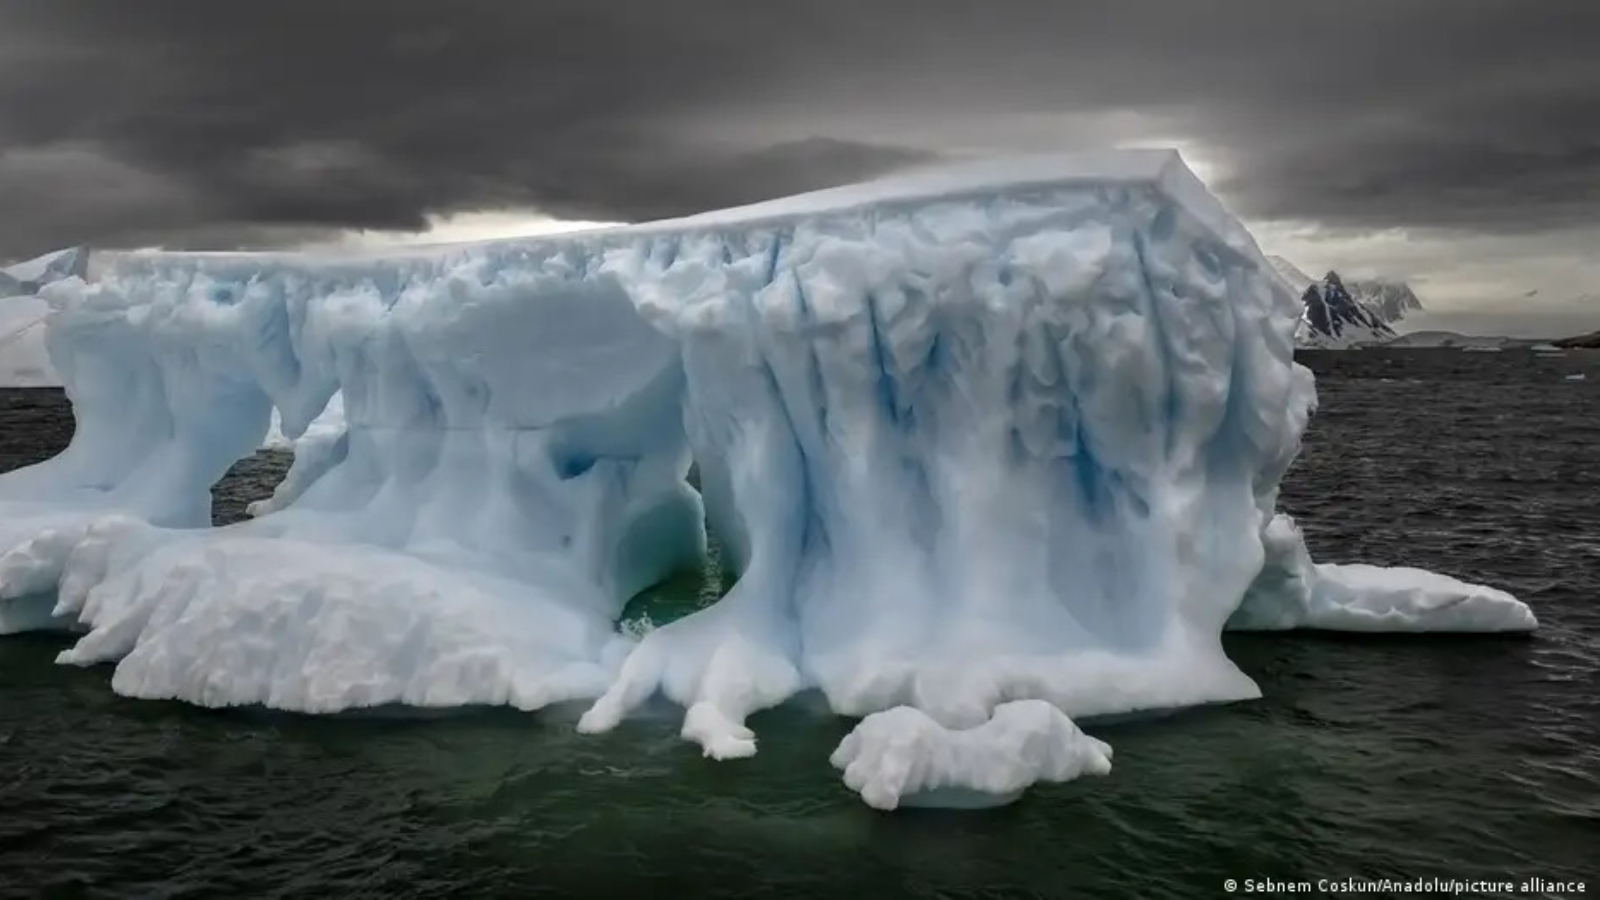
[{"x": 1457, "y": 887}]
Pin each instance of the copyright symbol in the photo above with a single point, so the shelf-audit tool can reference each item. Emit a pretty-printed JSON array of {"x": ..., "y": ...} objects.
[{"x": 1230, "y": 885}]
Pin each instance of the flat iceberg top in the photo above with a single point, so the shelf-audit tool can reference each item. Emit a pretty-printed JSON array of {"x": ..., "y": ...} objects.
[
  {"x": 957, "y": 181},
  {"x": 28, "y": 276},
  {"x": 1162, "y": 170}
]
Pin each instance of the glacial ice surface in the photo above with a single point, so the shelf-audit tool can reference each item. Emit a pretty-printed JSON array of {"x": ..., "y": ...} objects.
[{"x": 996, "y": 432}]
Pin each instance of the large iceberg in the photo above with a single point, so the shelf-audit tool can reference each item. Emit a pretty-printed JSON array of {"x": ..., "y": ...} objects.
[{"x": 995, "y": 432}]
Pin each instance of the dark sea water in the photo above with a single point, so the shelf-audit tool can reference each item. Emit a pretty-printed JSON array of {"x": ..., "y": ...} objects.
[{"x": 1376, "y": 756}]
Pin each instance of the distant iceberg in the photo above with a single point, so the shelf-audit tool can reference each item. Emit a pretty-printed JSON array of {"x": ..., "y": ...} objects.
[
  {"x": 1417, "y": 340},
  {"x": 24, "y": 360},
  {"x": 997, "y": 432}
]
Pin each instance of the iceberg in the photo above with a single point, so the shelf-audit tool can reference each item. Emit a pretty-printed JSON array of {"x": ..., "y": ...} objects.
[
  {"x": 995, "y": 432},
  {"x": 18, "y": 279},
  {"x": 24, "y": 361}
]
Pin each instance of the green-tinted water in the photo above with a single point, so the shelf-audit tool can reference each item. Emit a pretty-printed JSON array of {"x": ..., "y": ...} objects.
[{"x": 1367, "y": 758}]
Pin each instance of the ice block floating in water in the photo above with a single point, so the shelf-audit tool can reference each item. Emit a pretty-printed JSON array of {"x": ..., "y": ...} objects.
[{"x": 1000, "y": 431}]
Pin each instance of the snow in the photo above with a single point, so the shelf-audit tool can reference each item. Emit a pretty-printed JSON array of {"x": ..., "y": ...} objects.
[
  {"x": 1332, "y": 318},
  {"x": 1007, "y": 431},
  {"x": 1294, "y": 592},
  {"x": 901, "y": 757},
  {"x": 1339, "y": 314}
]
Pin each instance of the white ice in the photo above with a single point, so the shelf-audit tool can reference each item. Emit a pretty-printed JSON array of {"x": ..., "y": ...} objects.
[
  {"x": 997, "y": 432},
  {"x": 29, "y": 276},
  {"x": 24, "y": 360},
  {"x": 324, "y": 445},
  {"x": 901, "y": 757},
  {"x": 1294, "y": 592},
  {"x": 328, "y": 424}
]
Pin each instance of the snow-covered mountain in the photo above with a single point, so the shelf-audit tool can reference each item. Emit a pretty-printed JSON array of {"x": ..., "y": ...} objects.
[
  {"x": 1452, "y": 340},
  {"x": 1390, "y": 300},
  {"x": 1336, "y": 313},
  {"x": 1332, "y": 318}
]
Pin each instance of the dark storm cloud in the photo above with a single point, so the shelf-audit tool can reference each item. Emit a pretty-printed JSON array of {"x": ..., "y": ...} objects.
[{"x": 209, "y": 123}]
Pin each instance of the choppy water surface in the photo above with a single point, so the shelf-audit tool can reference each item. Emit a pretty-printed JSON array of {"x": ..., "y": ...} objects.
[{"x": 1369, "y": 756}]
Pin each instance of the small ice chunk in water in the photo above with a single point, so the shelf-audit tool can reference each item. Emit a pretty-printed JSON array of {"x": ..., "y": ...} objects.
[{"x": 902, "y": 757}]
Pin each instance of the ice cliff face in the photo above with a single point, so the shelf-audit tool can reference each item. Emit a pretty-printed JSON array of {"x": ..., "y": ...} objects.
[
  {"x": 971, "y": 436},
  {"x": 972, "y": 450}
]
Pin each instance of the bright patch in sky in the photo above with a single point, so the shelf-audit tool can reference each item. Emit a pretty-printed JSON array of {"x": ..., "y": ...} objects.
[{"x": 467, "y": 226}]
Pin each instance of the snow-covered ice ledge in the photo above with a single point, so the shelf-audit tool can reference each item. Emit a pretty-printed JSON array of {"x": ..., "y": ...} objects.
[
  {"x": 1294, "y": 592},
  {"x": 994, "y": 432}
]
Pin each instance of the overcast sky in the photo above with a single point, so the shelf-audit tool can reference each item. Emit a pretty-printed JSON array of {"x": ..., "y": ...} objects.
[{"x": 1452, "y": 142}]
